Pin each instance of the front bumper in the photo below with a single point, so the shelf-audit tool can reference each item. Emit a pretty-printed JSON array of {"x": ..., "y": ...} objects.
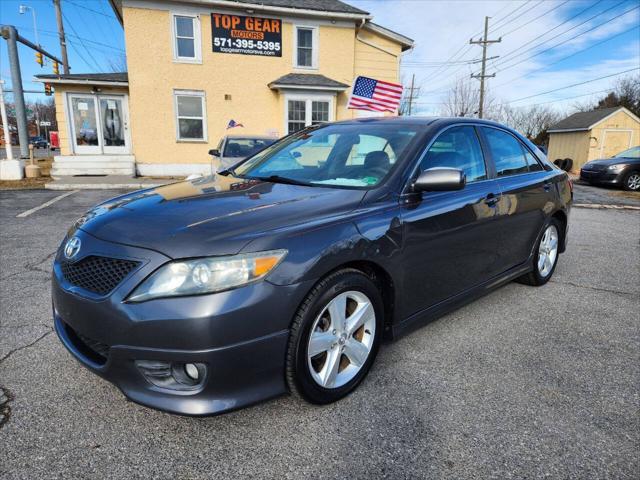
[
  {"x": 603, "y": 177},
  {"x": 240, "y": 335}
]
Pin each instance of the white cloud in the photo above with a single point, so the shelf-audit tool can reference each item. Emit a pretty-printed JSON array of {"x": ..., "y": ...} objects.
[{"x": 441, "y": 28}]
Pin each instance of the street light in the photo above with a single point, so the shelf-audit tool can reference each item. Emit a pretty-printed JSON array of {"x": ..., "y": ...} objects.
[{"x": 23, "y": 9}]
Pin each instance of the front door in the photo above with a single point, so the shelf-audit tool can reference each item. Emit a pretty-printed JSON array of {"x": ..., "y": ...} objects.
[
  {"x": 451, "y": 237},
  {"x": 99, "y": 124}
]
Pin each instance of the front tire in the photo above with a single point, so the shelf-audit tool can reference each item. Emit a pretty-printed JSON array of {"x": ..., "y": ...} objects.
[
  {"x": 546, "y": 255},
  {"x": 335, "y": 337},
  {"x": 631, "y": 182}
]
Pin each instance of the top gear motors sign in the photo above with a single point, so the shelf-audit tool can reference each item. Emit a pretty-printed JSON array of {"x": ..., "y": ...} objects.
[{"x": 246, "y": 35}]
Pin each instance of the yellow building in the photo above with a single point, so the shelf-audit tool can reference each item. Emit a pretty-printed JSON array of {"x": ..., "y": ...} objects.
[
  {"x": 591, "y": 135},
  {"x": 193, "y": 65}
]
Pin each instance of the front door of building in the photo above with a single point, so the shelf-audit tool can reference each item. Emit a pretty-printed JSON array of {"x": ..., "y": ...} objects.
[{"x": 99, "y": 124}]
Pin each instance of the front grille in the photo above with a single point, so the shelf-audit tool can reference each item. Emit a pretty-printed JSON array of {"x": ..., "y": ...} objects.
[
  {"x": 92, "y": 349},
  {"x": 97, "y": 274}
]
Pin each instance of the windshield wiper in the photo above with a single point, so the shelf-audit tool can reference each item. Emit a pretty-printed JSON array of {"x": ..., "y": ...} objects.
[{"x": 279, "y": 179}]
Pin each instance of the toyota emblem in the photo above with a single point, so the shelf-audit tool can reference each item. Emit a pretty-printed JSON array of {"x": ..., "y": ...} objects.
[{"x": 72, "y": 248}]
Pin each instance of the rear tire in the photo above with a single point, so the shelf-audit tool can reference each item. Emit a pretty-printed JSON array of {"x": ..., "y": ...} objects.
[
  {"x": 545, "y": 259},
  {"x": 343, "y": 314}
]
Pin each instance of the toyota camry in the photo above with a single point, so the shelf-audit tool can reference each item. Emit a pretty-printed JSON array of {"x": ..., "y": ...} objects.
[{"x": 285, "y": 272}]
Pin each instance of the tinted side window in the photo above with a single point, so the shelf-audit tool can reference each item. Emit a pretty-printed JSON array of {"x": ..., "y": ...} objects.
[
  {"x": 534, "y": 166},
  {"x": 457, "y": 147},
  {"x": 507, "y": 152}
]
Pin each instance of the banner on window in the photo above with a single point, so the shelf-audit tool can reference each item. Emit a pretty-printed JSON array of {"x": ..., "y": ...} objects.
[{"x": 246, "y": 35}]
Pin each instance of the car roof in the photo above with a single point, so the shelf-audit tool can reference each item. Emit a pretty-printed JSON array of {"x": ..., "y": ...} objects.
[
  {"x": 257, "y": 137},
  {"x": 418, "y": 120}
]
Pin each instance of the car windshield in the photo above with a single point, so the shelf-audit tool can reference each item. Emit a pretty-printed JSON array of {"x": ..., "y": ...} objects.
[
  {"x": 633, "y": 152},
  {"x": 342, "y": 155},
  {"x": 245, "y": 147}
]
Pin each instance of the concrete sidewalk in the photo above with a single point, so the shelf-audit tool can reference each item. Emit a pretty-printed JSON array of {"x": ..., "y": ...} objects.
[{"x": 107, "y": 182}]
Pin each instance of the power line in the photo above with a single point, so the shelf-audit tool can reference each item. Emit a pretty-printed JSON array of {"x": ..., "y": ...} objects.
[
  {"x": 111, "y": 17},
  {"x": 93, "y": 60},
  {"x": 536, "y": 18},
  {"x": 567, "y": 40},
  {"x": 54, "y": 33},
  {"x": 574, "y": 85},
  {"x": 520, "y": 15},
  {"x": 466, "y": 47},
  {"x": 547, "y": 65},
  {"x": 505, "y": 57}
]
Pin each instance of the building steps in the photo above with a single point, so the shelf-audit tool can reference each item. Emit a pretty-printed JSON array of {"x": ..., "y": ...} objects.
[{"x": 69, "y": 165}]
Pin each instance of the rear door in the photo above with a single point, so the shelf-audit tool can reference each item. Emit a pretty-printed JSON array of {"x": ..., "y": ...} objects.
[
  {"x": 450, "y": 237},
  {"x": 526, "y": 194}
]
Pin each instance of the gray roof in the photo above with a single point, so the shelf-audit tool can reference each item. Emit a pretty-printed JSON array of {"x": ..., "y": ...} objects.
[
  {"x": 583, "y": 120},
  {"x": 322, "y": 5},
  {"x": 312, "y": 80},
  {"x": 335, "y": 6},
  {"x": 120, "y": 77}
]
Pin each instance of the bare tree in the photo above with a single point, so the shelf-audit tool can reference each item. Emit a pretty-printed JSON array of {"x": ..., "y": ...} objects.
[
  {"x": 532, "y": 121},
  {"x": 461, "y": 100},
  {"x": 625, "y": 93}
]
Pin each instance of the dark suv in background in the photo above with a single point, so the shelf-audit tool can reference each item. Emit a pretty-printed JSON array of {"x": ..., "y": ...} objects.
[{"x": 286, "y": 271}]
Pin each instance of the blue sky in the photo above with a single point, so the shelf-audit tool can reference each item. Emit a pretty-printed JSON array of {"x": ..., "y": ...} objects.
[
  {"x": 95, "y": 38},
  {"x": 441, "y": 30}
]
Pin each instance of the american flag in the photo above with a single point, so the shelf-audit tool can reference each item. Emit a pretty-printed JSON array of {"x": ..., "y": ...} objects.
[
  {"x": 375, "y": 95},
  {"x": 233, "y": 124}
]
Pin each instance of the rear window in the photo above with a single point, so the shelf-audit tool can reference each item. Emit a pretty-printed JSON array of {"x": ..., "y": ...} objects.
[
  {"x": 245, "y": 147},
  {"x": 507, "y": 152}
]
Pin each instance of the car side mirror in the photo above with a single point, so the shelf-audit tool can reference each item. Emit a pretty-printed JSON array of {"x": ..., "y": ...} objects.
[
  {"x": 440, "y": 179},
  {"x": 215, "y": 152}
]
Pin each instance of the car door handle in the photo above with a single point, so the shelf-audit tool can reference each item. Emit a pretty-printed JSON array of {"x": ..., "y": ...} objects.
[{"x": 492, "y": 199}]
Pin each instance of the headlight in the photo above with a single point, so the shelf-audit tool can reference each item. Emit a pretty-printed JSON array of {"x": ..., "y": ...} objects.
[
  {"x": 207, "y": 275},
  {"x": 615, "y": 168}
]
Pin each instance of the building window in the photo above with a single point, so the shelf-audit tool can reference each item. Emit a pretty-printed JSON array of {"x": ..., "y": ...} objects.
[
  {"x": 306, "y": 47},
  {"x": 191, "y": 119},
  {"x": 302, "y": 112},
  {"x": 319, "y": 112},
  {"x": 186, "y": 35}
]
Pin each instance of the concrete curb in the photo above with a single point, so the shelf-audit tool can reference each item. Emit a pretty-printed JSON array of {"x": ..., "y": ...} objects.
[{"x": 596, "y": 206}]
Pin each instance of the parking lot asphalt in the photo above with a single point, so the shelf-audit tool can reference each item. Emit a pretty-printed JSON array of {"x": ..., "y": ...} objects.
[
  {"x": 524, "y": 383},
  {"x": 604, "y": 195}
]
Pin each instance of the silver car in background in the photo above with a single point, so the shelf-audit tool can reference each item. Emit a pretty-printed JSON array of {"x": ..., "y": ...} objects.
[{"x": 232, "y": 149}]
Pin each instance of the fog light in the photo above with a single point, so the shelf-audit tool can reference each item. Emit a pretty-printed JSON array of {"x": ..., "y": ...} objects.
[
  {"x": 174, "y": 376},
  {"x": 192, "y": 371}
]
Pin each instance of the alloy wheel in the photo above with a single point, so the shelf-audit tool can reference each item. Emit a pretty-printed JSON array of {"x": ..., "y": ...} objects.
[
  {"x": 633, "y": 182},
  {"x": 341, "y": 339},
  {"x": 548, "y": 250}
]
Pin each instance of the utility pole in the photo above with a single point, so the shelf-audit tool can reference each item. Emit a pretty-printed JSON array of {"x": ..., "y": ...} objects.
[
  {"x": 413, "y": 79},
  {"x": 484, "y": 42},
  {"x": 63, "y": 42},
  {"x": 5, "y": 124}
]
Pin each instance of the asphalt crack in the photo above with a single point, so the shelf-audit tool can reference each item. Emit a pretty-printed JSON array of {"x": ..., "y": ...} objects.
[
  {"x": 11, "y": 352},
  {"x": 33, "y": 267},
  {"x": 596, "y": 289}
]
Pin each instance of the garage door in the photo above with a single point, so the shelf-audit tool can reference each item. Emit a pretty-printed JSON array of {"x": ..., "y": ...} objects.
[{"x": 615, "y": 141}]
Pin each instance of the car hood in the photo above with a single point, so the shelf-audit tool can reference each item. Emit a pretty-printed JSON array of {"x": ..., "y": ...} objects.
[
  {"x": 216, "y": 215},
  {"x": 612, "y": 161}
]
